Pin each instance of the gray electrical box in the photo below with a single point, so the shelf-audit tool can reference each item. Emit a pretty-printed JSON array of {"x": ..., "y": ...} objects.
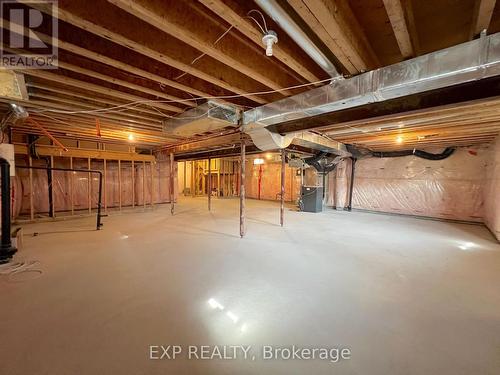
[{"x": 312, "y": 198}]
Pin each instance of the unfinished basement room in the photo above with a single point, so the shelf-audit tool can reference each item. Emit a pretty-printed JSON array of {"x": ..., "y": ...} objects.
[{"x": 254, "y": 187}]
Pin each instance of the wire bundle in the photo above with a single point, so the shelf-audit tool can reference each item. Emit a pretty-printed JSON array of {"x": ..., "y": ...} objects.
[{"x": 12, "y": 270}]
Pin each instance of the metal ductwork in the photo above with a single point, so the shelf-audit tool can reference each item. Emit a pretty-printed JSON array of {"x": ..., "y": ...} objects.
[
  {"x": 467, "y": 62},
  {"x": 207, "y": 117}
]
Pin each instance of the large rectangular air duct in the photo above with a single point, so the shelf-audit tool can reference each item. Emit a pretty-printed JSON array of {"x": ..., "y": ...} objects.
[
  {"x": 205, "y": 118},
  {"x": 456, "y": 65}
]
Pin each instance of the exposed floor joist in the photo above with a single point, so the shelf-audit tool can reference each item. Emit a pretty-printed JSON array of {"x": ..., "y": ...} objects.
[
  {"x": 182, "y": 21},
  {"x": 482, "y": 16},
  {"x": 397, "y": 17},
  {"x": 336, "y": 26},
  {"x": 235, "y": 16},
  {"x": 128, "y": 31}
]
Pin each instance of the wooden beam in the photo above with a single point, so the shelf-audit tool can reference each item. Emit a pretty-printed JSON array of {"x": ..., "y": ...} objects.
[
  {"x": 87, "y": 97},
  {"x": 134, "y": 34},
  {"x": 483, "y": 10},
  {"x": 133, "y": 184},
  {"x": 92, "y": 87},
  {"x": 105, "y": 175},
  {"x": 144, "y": 184},
  {"x": 32, "y": 206},
  {"x": 335, "y": 24},
  {"x": 231, "y": 139},
  {"x": 397, "y": 18},
  {"x": 113, "y": 62},
  {"x": 123, "y": 119},
  {"x": 184, "y": 21},
  {"x": 120, "y": 184},
  {"x": 72, "y": 186},
  {"x": 108, "y": 61},
  {"x": 74, "y": 105},
  {"x": 46, "y": 150},
  {"x": 86, "y": 130},
  {"x": 120, "y": 82},
  {"x": 89, "y": 186},
  {"x": 280, "y": 51}
]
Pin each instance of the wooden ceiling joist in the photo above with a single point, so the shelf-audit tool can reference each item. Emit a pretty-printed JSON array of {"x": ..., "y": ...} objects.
[
  {"x": 399, "y": 25},
  {"x": 92, "y": 87},
  {"x": 483, "y": 11},
  {"x": 238, "y": 19},
  {"x": 129, "y": 31},
  {"x": 113, "y": 63},
  {"x": 75, "y": 104},
  {"x": 182, "y": 20},
  {"x": 120, "y": 82},
  {"x": 87, "y": 96},
  {"x": 45, "y": 150},
  {"x": 123, "y": 119},
  {"x": 335, "y": 24}
]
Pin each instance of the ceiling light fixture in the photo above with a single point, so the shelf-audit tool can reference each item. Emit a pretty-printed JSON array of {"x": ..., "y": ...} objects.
[{"x": 269, "y": 38}]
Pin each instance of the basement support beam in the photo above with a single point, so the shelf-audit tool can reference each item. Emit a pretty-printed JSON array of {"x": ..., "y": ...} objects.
[
  {"x": 172, "y": 186},
  {"x": 133, "y": 184},
  {"x": 209, "y": 190},
  {"x": 32, "y": 209},
  {"x": 152, "y": 185},
  {"x": 282, "y": 192},
  {"x": 242, "y": 189},
  {"x": 89, "y": 187},
  {"x": 397, "y": 18},
  {"x": 120, "y": 184}
]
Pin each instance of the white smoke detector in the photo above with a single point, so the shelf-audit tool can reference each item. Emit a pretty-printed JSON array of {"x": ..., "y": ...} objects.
[{"x": 269, "y": 38}]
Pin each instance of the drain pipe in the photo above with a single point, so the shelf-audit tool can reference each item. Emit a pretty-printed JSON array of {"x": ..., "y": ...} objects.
[
  {"x": 6, "y": 249},
  {"x": 278, "y": 14}
]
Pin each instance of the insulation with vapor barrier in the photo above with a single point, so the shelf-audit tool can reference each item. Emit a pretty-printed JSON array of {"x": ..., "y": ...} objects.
[
  {"x": 451, "y": 188},
  {"x": 67, "y": 184}
]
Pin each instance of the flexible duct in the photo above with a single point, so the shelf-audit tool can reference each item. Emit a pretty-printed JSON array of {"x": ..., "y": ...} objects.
[{"x": 421, "y": 154}]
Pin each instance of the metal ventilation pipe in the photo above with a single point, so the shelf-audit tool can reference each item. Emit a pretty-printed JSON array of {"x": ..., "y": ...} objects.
[{"x": 276, "y": 12}]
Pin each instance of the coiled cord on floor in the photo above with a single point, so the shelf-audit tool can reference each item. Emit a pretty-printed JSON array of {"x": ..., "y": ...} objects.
[{"x": 12, "y": 270}]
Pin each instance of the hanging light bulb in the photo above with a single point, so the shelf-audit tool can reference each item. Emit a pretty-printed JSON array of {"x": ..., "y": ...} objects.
[
  {"x": 269, "y": 38},
  {"x": 131, "y": 137}
]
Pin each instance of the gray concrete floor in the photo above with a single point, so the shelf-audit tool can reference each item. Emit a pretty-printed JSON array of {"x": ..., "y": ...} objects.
[{"x": 405, "y": 295}]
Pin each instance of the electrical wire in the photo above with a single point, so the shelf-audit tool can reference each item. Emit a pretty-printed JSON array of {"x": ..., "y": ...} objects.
[
  {"x": 263, "y": 18},
  {"x": 152, "y": 102},
  {"x": 203, "y": 54},
  {"x": 257, "y": 22},
  {"x": 11, "y": 270}
]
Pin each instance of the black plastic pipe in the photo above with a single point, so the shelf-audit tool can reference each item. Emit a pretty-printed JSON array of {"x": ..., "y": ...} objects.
[
  {"x": 99, "y": 215},
  {"x": 6, "y": 249},
  {"x": 421, "y": 154}
]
